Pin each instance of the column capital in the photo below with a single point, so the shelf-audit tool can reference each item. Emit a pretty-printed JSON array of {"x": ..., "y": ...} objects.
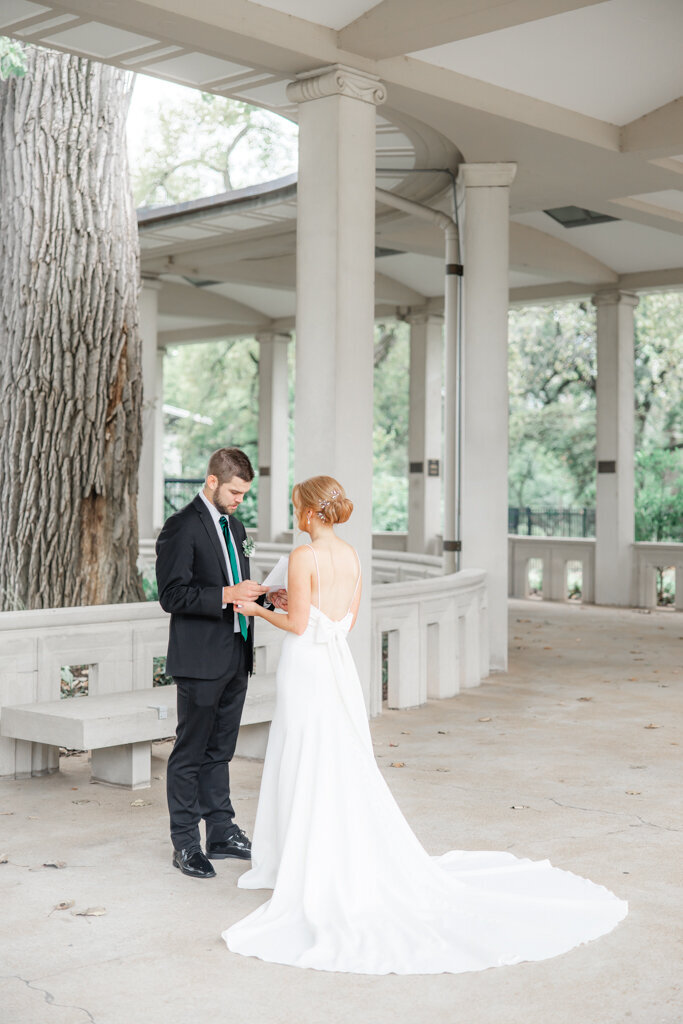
[
  {"x": 424, "y": 318},
  {"x": 265, "y": 337},
  {"x": 486, "y": 175},
  {"x": 151, "y": 282},
  {"x": 614, "y": 297},
  {"x": 337, "y": 80}
]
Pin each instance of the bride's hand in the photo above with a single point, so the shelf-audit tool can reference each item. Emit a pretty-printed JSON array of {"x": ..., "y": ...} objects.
[{"x": 247, "y": 607}]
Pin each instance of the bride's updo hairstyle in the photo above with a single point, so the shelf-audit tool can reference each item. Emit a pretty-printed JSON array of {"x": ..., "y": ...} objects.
[{"x": 324, "y": 497}]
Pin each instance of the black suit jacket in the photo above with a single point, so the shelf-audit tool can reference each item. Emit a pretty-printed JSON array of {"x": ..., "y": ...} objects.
[{"x": 191, "y": 574}]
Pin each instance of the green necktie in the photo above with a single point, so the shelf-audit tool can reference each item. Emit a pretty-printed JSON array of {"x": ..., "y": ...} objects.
[{"x": 235, "y": 571}]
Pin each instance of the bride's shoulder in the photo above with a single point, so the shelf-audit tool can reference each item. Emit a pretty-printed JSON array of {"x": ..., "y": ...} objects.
[{"x": 301, "y": 556}]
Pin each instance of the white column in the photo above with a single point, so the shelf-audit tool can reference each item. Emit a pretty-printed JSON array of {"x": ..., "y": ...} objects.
[
  {"x": 335, "y": 299},
  {"x": 273, "y": 438},
  {"x": 151, "y": 472},
  {"x": 614, "y": 512},
  {"x": 425, "y": 433},
  {"x": 484, "y": 459}
]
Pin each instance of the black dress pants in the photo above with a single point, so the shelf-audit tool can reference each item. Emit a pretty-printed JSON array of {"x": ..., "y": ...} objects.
[{"x": 198, "y": 774}]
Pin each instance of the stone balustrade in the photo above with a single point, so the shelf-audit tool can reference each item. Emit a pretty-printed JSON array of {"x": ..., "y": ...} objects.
[
  {"x": 435, "y": 626},
  {"x": 557, "y": 557}
]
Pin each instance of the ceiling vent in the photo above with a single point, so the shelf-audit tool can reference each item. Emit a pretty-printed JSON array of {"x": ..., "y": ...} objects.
[{"x": 576, "y": 217}]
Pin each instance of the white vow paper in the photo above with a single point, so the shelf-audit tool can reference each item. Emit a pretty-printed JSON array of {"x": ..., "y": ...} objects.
[{"x": 277, "y": 577}]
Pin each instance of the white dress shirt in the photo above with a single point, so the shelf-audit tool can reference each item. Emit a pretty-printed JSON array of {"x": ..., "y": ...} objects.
[{"x": 216, "y": 516}]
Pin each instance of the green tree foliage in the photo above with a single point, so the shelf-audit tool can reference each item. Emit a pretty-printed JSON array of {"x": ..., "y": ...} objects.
[
  {"x": 552, "y": 410},
  {"x": 202, "y": 145},
  {"x": 390, "y": 429},
  {"x": 552, "y": 360},
  {"x": 12, "y": 59},
  {"x": 217, "y": 380}
]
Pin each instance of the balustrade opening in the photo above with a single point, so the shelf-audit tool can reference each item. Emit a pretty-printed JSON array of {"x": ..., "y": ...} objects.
[
  {"x": 535, "y": 578},
  {"x": 574, "y": 581},
  {"x": 666, "y": 586},
  {"x": 74, "y": 680}
]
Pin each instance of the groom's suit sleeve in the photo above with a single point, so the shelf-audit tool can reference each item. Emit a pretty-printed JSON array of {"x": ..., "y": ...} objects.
[{"x": 179, "y": 592}]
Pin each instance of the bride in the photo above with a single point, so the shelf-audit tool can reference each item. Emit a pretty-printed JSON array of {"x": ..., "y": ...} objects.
[{"x": 353, "y": 889}]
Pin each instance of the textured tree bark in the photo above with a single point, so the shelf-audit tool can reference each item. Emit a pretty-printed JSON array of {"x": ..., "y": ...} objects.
[{"x": 70, "y": 361}]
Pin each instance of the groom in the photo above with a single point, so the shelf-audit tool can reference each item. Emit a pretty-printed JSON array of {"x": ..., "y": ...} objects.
[{"x": 202, "y": 570}]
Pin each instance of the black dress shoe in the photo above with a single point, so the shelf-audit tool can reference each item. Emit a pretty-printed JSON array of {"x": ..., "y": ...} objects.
[
  {"x": 193, "y": 862},
  {"x": 233, "y": 844}
]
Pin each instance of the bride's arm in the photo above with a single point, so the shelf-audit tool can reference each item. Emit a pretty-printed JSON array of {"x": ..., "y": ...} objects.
[{"x": 299, "y": 578}]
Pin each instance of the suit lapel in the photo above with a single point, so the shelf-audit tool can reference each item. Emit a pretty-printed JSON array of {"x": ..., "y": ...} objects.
[{"x": 209, "y": 526}]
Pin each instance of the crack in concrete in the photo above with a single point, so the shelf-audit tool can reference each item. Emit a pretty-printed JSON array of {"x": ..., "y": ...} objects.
[
  {"x": 652, "y": 824},
  {"x": 600, "y": 810},
  {"x": 49, "y": 998}
]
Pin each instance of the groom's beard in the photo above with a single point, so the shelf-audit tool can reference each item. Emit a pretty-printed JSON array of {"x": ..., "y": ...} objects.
[{"x": 225, "y": 510}]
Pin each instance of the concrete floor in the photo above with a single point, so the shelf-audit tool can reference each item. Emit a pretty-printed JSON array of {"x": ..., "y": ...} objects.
[{"x": 558, "y": 758}]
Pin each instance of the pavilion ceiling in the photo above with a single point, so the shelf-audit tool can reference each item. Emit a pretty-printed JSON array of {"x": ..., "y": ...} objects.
[{"x": 585, "y": 98}]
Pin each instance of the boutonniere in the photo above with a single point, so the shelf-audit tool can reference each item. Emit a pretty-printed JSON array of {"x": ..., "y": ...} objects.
[{"x": 248, "y": 547}]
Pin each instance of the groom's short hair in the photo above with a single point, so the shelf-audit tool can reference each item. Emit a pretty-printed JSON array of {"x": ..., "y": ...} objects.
[{"x": 225, "y": 463}]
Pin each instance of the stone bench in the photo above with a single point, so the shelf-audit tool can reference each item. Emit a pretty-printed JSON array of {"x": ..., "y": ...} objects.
[{"x": 118, "y": 728}]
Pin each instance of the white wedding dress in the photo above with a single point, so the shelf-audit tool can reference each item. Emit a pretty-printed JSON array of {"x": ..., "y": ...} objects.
[{"x": 353, "y": 889}]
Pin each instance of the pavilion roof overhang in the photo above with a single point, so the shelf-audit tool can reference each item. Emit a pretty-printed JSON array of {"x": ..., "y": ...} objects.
[{"x": 602, "y": 130}]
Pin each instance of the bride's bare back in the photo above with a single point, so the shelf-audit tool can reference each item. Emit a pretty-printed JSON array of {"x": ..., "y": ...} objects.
[{"x": 335, "y": 583}]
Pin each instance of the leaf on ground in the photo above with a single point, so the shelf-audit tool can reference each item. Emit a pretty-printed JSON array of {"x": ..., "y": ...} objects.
[
  {"x": 54, "y": 864},
  {"x": 64, "y": 905},
  {"x": 81, "y": 801},
  {"x": 486, "y": 718},
  {"x": 523, "y": 620},
  {"x": 141, "y": 803},
  {"x": 405, "y": 732},
  {"x": 397, "y": 764},
  {"x": 519, "y": 807},
  {"x": 547, "y": 648},
  {"x": 6, "y": 812},
  {"x": 633, "y": 792},
  {"x": 652, "y": 726},
  {"x": 584, "y": 698},
  {"x": 443, "y": 769},
  {"x": 442, "y": 732},
  {"x": 90, "y": 912},
  {"x": 393, "y": 744}
]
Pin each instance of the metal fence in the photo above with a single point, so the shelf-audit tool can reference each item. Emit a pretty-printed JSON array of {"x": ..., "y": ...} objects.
[
  {"x": 178, "y": 491},
  {"x": 552, "y": 522},
  {"x": 530, "y": 522}
]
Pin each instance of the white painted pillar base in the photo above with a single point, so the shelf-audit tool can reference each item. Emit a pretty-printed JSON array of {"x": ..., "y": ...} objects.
[
  {"x": 484, "y": 468},
  {"x": 151, "y": 471},
  {"x": 335, "y": 300},
  {"x": 424, "y": 444},
  {"x": 614, "y": 505},
  {"x": 273, "y": 443}
]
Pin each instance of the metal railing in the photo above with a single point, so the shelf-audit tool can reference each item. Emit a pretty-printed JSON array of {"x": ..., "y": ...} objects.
[{"x": 545, "y": 521}]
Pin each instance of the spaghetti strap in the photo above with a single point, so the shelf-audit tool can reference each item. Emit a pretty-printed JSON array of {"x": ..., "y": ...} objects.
[
  {"x": 355, "y": 589},
  {"x": 317, "y": 571}
]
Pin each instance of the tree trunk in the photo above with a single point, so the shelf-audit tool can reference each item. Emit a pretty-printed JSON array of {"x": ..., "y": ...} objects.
[{"x": 70, "y": 362}]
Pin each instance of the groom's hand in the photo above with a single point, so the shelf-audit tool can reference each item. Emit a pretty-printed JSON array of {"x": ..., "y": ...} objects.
[
  {"x": 247, "y": 590},
  {"x": 278, "y": 599}
]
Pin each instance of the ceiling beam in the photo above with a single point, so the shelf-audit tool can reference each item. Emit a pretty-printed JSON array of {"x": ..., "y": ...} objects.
[
  {"x": 396, "y": 27},
  {"x": 388, "y": 291},
  {"x": 186, "y": 301},
  {"x": 214, "y": 332},
  {"x": 533, "y": 250},
  {"x": 547, "y": 294},
  {"x": 659, "y": 133}
]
